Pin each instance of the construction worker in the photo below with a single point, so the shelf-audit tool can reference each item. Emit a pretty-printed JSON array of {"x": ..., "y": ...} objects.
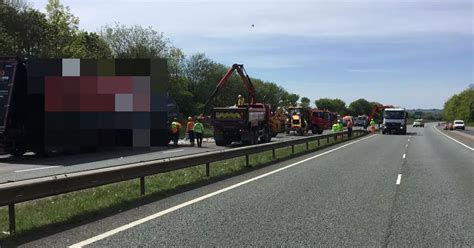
[
  {"x": 340, "y": 128},
  {"x": 198, "y": 132},
  {"x": 190, "y": 131},
  {"x": 175, "y": 127},
  {"x": 372, "y": 125},
  {"x": 349, "y": 127},
  {"x": 240, "y": 100},
  {"x": 335, "y": 129}
]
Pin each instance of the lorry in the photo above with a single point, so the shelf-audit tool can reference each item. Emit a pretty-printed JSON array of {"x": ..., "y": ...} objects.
[
  {"x": 322, "y": 120},
  {"x": 51, "y": 106},
  {"x": 249, "y": 123},
  {"x": 394, "y": 121}
]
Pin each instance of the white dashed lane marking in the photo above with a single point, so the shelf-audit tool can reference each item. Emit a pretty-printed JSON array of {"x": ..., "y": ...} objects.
[{"x": 399, "y": 179}]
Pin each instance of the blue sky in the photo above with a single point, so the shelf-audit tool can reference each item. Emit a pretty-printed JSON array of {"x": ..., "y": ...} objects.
[{"x": 414, "y": 54}]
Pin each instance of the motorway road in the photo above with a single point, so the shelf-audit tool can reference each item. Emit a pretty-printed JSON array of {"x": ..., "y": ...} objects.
[
  {"x": 414, "y": 190},
  {"x": 469, "y": 131},
  {"x": 27, "y": 167}
]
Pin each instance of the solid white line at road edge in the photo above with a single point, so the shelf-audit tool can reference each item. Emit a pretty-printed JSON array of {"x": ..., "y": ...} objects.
[
  {"x": 404, "y": 155},
  {"x": 399, "y": 179},
  {"x": 459, "y": 142},
  {"x": 182, "y": 205},
  {"x": 33, "y": 169},
  {"x": 171, "y": 151}
]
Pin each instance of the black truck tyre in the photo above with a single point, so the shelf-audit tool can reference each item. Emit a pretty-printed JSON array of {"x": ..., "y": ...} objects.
[
  {"x": 18, "y": 151},
  {"x": 221, "y": 143}
]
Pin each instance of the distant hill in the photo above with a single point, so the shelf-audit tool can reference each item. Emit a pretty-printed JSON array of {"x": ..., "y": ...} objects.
[
  {"x": 426, "y": 110},
  {"x": 427, "y": 114}
]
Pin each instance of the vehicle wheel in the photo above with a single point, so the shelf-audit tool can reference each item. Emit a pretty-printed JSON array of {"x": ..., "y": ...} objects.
[
  {"x": 255, "y": 137},
  {"x": 269, "y": 137},
  {"x": 463, "y": 128},
  {"x": 315, "y": 130},
  {"x": 161, "y": 137},
  {"x": 274, "y": 134},
  {"x": 251, "y": 140},
  {"x": 48, "y": 152},
  {"x": 18, "y": 151},
  {"x": 221, "y": 143}
]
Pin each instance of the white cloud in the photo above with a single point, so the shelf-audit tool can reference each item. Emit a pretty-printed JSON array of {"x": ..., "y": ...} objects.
[
  {"x": 370, "y": 70},
  {"x": 293, "y": 18}
]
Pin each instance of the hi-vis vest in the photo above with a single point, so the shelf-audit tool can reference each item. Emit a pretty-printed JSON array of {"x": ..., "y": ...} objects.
[{"x": 175, "y": 126}]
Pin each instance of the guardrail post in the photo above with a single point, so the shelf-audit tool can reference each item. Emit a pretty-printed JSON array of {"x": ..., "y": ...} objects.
[
  {"x": 307, "y": 145},
  {"x": 319, "y": 142},
  {"x": 142, "y": 185},
  {"x": 328, "y": 141},
  {"x": 247, "y": 162},
  {"x": 208, "y": 172},
  {"x": 292, "y": 149},
  {"x": 273, "y": 154},
  {"x": 11, "y": 218}
]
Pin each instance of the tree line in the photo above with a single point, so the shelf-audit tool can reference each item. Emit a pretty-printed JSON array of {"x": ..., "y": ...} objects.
[
  {"x": 460, "y": 106},
  {"x": 28, "y": 33}
]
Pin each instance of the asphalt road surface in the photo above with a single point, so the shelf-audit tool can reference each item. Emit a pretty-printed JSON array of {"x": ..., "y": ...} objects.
[
  {"x": 414, "y": 190},
  {"x": 468, "y": 130},
  {"x": 30, "y": 166}
]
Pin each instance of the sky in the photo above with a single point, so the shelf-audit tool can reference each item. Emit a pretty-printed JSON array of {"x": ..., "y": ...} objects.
[{"x": 408, "y": 53}]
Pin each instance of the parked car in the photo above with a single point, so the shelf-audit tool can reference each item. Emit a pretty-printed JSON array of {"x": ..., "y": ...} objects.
[
  {"x": 459, "y": 124},
  {"x": 448, "y": 126},
  {"x": 419, "y": 123}
]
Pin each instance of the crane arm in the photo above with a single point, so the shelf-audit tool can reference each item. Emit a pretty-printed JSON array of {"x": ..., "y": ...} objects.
[
  {"x": 243, "y": 75},
  {"x": 247, "y": 82},
  {"x": 377, "y": 108}
]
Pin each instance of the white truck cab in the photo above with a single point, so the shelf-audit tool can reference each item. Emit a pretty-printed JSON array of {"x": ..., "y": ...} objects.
[{"x": 395, "y": 121}]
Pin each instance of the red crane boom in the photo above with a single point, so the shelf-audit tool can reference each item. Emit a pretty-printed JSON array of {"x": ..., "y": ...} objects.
[
  {"x": 377, "y": 108},
  {"x": 245, "y": 78}
]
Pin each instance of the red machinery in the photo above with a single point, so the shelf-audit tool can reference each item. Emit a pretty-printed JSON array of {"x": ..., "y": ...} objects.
[
  {"x": 248, "y": 123},
  {"x": 377, "y": 108},
  {"x": 322, "y": 120},
  {"x": 317, "y": 120},
  {"x": 245, "y": 78}
]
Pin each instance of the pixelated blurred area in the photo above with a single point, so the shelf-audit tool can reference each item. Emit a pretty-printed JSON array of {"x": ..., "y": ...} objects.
[{"x": 84, "y": 104}]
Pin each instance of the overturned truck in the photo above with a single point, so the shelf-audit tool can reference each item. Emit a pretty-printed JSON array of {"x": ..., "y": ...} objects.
[{"x": 76, "y": 105}]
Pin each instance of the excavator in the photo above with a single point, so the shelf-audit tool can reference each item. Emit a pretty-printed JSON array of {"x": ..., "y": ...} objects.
[{"x": 250, "y": 123}]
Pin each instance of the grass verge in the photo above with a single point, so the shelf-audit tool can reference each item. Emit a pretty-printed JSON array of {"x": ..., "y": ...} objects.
[{"x": 53, "y": 214}]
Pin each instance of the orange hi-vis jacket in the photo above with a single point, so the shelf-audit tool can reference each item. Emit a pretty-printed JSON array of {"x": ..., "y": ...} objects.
[
  {"x": 175, "y": 126},
  {"x": 189, "y": 126}
]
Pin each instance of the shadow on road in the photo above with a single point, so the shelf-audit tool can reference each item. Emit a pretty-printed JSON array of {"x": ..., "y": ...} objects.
[{"x": 81, "y": 158}]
